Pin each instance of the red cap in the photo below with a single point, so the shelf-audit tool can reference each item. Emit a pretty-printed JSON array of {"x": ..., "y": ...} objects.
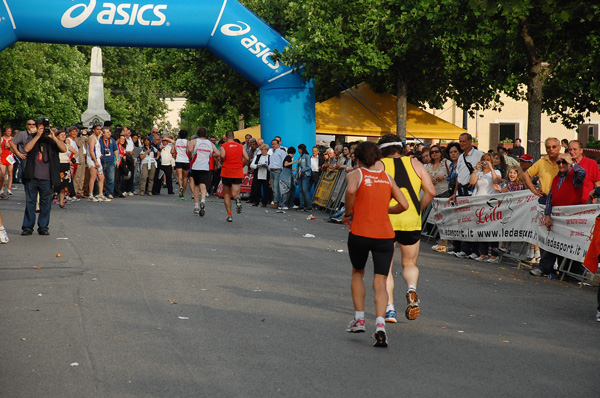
[{"x": 526, "y": 158}]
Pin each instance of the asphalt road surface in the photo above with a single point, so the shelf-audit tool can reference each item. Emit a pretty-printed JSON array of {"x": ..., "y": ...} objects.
[{"x": 147, "y": 300}]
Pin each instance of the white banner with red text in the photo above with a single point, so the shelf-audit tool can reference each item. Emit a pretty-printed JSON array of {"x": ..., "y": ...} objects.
[{"x": 514, "y": 217}]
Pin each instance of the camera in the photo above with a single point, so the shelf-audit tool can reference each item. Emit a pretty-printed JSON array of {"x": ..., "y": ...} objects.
[
  {"x": 46, "y": 123},
  {"x": 483, "y": 163}
]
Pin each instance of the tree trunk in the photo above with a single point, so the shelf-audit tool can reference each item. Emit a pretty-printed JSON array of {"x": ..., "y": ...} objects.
[
  {"x": 535, "y": 85},
  {"x": 401, "y": 109},
  {"x": 534, "y": 115}
]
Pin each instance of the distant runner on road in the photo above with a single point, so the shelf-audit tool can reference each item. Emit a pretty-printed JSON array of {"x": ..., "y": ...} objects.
[
  {"x": 232, "y": 172},
  {"x": 200, "y": 151}
]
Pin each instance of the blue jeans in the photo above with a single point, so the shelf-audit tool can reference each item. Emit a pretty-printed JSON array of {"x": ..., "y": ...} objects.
[
  {"x": 304, "y": 183},
  {"x": 109, "y": 177},
  {"x": 275, "y": 186},
  {"x": 22, "y": 164},
  {"x": 285, "y": 178},
  {"x": 33, "y": 188}
]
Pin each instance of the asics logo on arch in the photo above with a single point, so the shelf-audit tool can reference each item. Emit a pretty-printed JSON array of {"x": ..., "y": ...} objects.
[
  {"x": 251, "y": 43},
  {"x": 112, "y": 14}
]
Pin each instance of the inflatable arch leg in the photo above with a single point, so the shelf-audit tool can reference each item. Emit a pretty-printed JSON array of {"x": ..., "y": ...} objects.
[{"x": 226, "y": 28}]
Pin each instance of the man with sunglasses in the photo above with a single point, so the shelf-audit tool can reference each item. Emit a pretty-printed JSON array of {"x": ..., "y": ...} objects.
[
  {"x": 545, "y": 168},
  {"x": 40, "y": 177},
  {"x": 18, "y": 145},
  {"x": 566, "y": 190}
]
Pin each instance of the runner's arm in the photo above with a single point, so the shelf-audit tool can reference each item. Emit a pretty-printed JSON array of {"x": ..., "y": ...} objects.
[
  {"x": 190, "y": 148},
  {"x": 246, "y": 157},
  {"x": 426, "y": 183},
  {"x": 352, "y": 180}
]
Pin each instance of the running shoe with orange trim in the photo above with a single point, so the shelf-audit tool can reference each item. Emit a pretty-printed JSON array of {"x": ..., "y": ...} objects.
[{"x": 412, "y": 305}]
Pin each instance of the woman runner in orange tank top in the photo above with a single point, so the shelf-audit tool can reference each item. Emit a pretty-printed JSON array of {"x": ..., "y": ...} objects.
[{"x": 368, "y": 193}]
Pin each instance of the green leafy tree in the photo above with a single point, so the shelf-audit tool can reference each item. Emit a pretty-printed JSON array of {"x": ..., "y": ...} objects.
[
  {"x": 549, "y": 47},
  {"x": 217, "y": 95},
  {"x": 405, "y": 47},
  {"x": 39, "y": 79}
]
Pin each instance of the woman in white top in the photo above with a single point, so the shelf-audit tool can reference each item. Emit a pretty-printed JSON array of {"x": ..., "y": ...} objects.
[
  {"x": 260, "y": 167},
  {"x": 484, "y": 177},
  {"x": 148, "y": 157},
  {"x": 182, "y": 161},
  {"x": 438, "y": 169},
  {"x": 93, "y": 161},
  {"x": 166, "y": 160}
]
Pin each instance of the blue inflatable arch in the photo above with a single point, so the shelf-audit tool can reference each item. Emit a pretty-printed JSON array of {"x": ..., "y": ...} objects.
[{"x": 224, "y": 27}]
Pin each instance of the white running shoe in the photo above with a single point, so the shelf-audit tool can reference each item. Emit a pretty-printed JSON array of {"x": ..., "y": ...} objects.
[
  {"x": 102, "y": 198},
  {"x": 3, "y": 236},
  {"x": 91, "y": 198},
  {"x": 356, "y": 326},
  {"x": 380, "y": 338}
]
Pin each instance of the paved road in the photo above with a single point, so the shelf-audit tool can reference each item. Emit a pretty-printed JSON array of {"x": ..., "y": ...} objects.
[{"x": 151, "y": 301}]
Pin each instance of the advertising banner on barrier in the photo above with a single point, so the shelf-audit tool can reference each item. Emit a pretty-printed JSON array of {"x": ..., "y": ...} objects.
[
  {"x": 325, "y": 187},
  {"x": 516, "y": 216}
]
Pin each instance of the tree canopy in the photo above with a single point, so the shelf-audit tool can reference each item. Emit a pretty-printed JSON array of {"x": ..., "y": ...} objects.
[
  {"x": 424, "y": 51},
  {"x": 52, "y": 80}
]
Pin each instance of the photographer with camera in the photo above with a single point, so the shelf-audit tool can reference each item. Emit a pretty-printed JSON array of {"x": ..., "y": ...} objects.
[{"x": 41, "y": 175}]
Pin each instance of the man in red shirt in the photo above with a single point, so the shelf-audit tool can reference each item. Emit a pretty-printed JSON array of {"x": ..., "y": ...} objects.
[
  {"x": 592, "y": 177},
  {"x": 232, "y": 172}
]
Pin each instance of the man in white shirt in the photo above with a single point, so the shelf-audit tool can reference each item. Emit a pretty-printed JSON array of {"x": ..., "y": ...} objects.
[
  {"x": 275, "y": 168},
  {"x": 464, "y": 168},
  {"x": 200, "y": 151}
]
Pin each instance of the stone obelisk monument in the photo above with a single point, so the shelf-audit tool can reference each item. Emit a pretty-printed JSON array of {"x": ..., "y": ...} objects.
[{"x": 95, "y": 112}]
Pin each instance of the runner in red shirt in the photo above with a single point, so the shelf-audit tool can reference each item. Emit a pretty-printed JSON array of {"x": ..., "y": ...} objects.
[
  {"x": 232, "y": 172},
  {"x": 368, "y": 193}
]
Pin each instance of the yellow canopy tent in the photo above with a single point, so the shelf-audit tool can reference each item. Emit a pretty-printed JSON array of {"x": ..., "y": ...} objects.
[
  {"x": 362, "y": 112},
  {"x": 365, "y": 113},
  {"x": 254, "y": 131}
]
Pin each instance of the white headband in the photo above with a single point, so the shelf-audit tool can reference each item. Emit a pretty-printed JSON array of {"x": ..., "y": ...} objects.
[{"x": 387, "y": 144}]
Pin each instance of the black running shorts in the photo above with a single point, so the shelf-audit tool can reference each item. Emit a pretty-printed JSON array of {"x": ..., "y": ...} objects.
[
  {"x": 182, "y": 165},
  {"x": 201, "y": 177},
  {"x": 382, "y": 251},
  {"x": 408, "y": 238},
  {"x": 228, "y": 182}
]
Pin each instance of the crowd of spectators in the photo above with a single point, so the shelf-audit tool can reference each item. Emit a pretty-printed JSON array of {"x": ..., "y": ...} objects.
[
  {"x": 123, "y": 163},
  {"x": 102, "y": 163}
]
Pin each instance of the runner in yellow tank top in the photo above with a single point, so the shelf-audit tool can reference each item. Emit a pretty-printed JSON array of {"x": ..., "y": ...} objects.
[{"x": 411, "y": 177}]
